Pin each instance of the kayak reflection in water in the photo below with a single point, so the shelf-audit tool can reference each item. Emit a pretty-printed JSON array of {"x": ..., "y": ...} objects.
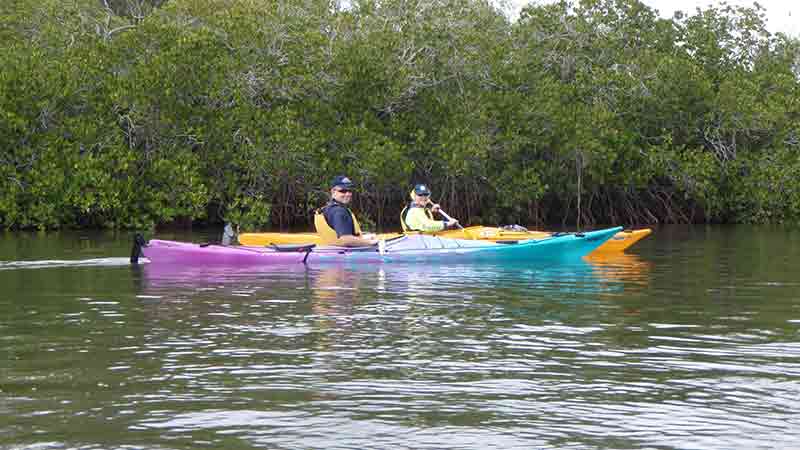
[
  {"x": 346, "y": 283},
  {"x": 331, "y": 303}
]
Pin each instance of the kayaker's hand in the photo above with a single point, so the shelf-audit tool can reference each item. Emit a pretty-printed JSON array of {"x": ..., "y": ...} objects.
[
  {"x": 452, "y": 223},
  {"x": 435, "y": 207}
]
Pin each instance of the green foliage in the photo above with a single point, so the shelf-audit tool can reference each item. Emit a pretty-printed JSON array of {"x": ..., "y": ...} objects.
[{"x": 134, "y": 113}]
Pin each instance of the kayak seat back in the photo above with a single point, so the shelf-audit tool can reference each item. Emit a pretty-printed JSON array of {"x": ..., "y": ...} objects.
[{"x": 325, "y": 232}]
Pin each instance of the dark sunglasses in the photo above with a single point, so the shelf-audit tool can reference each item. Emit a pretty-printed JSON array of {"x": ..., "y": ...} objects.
[
  {"x": 424, "y": 195},
  {"x": 344, "y": 191}
]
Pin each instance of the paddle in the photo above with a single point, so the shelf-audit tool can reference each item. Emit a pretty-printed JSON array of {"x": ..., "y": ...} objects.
[
  {"x": 449, "y": 219},
  {"x": 444, "y": 214}
]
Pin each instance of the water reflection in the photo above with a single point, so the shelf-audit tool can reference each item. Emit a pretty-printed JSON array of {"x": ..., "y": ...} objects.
[
  {"x": 689, "y": 351},
  {"x": 626, "y": 267},
  {"x": 342, "y": 306},
  {"x": 408, "y": 352},
  {"x": 328, "y": 294},
  {"x": 595, "y": 275}
]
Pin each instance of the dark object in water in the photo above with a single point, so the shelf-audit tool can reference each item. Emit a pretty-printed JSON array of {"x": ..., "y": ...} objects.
[{"x": 136, "y": 250}]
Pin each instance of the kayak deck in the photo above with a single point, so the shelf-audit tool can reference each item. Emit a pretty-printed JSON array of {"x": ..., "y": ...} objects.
[
  {"x": 618, "y": 243},
  {"x": 623, "y": 240}
]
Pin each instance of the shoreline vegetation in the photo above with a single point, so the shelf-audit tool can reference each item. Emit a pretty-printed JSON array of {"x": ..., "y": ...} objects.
[{"x": 138, "y": 113}]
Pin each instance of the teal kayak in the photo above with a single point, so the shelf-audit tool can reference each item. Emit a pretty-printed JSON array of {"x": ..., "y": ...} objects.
[{"x": 405, "y": 249}]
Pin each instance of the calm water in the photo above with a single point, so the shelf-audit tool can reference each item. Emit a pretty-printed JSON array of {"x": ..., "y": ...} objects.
[{"x": 691, "y": 341}]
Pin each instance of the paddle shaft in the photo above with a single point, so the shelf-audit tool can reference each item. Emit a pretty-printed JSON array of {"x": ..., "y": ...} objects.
[
  {"x": 444, "y": 214},
  {"x": 449, "y": 218}
]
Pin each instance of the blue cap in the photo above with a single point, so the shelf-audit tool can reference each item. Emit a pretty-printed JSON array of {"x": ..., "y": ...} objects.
[
  {"x": 422, "y": 189},
  {"x": 341, "y": 181}
]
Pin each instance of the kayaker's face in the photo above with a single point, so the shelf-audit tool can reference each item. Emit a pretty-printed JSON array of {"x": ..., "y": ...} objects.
[
  {"x": 421, "y": 200},
  {"x": 342, "y": 195}
]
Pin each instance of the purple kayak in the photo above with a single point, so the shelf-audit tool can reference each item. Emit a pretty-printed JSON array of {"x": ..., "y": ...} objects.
[{"x": 409, "y": 249}]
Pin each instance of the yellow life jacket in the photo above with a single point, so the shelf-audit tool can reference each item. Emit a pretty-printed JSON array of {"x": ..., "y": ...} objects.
[
  {"x": 326, "y": 233},
  {"x": 404, "y": 214}
]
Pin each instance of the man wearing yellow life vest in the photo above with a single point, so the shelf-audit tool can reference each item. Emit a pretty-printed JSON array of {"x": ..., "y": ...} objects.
[
  {"x": 335, "y": 223},
  {"x": 418, "y": 217}
]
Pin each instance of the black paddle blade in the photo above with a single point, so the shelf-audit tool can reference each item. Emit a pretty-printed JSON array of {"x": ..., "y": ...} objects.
[{"x": 136, "y": 250}]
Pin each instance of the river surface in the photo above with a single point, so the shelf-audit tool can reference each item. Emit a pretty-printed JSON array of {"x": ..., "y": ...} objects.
[{"x": 691, "y": 340}]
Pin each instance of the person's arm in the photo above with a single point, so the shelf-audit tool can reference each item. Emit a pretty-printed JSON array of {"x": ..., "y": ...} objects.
[
  {"x": 349, "y": 240},
  {"x": 342, "y": 223},
  {"x": 448, "y": 221},
  {"x": 418, "y": 220}
]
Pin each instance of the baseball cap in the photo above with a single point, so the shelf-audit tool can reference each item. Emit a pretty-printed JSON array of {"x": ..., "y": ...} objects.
[
  {"x": 422, "y": 189},
  {"x": 341, "y": 181}
]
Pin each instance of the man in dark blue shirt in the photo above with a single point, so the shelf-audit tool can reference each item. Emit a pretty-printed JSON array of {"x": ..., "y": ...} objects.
[{"x": 339, "y": 220}]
